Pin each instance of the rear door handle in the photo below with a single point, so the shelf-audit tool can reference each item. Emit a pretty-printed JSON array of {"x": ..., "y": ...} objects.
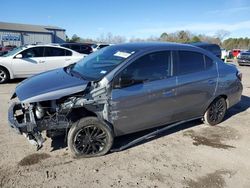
[
  {"x": 67, "y": 59},
  {"x": 41, "y": 61}
]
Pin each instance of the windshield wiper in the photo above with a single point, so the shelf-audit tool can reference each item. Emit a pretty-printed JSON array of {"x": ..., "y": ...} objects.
[{"x": 77, "y": 74}]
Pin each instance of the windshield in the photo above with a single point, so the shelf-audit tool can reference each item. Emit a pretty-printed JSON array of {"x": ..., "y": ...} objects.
[
  {"x": 14, "y": 51},
  {"x": 96, "y": 65}
]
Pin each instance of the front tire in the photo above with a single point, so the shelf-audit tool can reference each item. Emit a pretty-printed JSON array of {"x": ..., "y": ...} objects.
[
  {"x": 89, "y": 137},
  {"x": 215, "y": 112},
  {"x": 4, "y": 75}
]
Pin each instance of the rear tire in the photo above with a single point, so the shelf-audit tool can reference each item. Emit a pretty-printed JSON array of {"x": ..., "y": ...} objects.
[
  {"x": 215, "y": 112},
  {"x": 4, "y": 75},
  {"x": 89, "y": 137}
]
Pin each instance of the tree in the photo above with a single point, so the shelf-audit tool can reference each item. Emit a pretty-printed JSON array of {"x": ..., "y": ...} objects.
[
  {"x": 164, "y": 37},
  {"x": 75, "y": 38},
  {"x": 110, "y": 38},
  {"x": 233, "y": 43},
  {"x": 183, "y": 36},
  {"x": 67, "y": 38},
  {"x": 222, "y": 34},
  {"x": 195, "y": 39}
]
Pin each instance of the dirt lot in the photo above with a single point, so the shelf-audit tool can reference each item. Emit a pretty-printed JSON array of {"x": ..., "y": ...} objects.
[{"x": 190, "y": 155}]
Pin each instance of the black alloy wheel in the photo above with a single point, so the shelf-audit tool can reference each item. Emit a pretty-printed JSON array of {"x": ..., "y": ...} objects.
[
  {"x": 89, "y": 138},
  {"x": 216, "y": 112}
]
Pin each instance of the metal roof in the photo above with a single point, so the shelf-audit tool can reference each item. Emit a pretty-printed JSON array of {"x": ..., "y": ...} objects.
[{"x": 28, "y": 27}]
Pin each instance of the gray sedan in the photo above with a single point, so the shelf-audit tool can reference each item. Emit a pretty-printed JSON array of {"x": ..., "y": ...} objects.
[{"x": 123, "y": 89}]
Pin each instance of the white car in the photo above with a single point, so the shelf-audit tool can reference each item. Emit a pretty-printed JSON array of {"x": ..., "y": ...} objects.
[{"x": 28, "y": 60}]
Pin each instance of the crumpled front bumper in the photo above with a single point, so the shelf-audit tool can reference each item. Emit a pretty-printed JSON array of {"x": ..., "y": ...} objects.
[
  {"x": 12, "y": 118},
  {"x": 27, "y": 127}
]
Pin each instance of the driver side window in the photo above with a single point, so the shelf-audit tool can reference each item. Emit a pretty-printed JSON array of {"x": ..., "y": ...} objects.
[{"x": 150, "y": 67}]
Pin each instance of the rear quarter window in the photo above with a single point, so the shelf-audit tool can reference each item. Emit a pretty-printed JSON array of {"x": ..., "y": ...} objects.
[
  {"x": 68, "y": 53},
  {"x": 190, "y": 62},
  {"x": 208, "y": 62}
]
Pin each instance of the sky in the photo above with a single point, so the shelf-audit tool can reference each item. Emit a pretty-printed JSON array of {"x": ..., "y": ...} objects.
[{"x": 132, "y": 18}]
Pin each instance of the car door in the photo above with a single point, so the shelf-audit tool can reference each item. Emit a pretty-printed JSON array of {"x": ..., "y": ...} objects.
[
  {"x": 57, "y": 57},
  {"x": 143, "y": 94},
  {"x": 28, "y": 62},
  {"x": 196, "y": 83}
]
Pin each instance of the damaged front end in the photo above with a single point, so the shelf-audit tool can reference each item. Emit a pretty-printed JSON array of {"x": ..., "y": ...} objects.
[
  {"x": 32, "y": 119},
  {"x": 56, "y": 114}
]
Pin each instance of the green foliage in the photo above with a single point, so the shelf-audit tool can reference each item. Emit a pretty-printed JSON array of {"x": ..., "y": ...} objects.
[
  {"x": 236, "y": 43},
  {"x": 195, "y": 39},
  {"x": 75, "y": 38},
  {"x": 67, "y": 38}
]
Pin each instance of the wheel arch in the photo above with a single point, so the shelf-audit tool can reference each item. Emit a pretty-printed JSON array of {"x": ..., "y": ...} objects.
[
  {"x": 84, "y": 112},
  {"x": 219, "y": 96},
  {"x": 8, "y": 70}
]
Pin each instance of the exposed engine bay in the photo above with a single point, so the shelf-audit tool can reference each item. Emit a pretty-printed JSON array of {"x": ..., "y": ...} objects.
[{"x": 56, "y": 116}]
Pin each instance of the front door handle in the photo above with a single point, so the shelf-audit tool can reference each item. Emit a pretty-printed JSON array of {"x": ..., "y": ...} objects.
[{"x": 169, "y": 93}]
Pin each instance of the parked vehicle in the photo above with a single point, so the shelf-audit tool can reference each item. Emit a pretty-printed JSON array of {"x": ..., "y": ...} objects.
[
  {"x": 235, "y": 52},
  {"x": 244, "y": 58},
  {"x": 96, "y": 47},
  {"x": 123, "y": 89},
  {"x": 79, "y": 47},
  {"x": 224, "y": 54},
  {"x": 5, "y": 49},
  {"x": 3, "y": 53},
  {"x": 214, "y": 48},
  {"x": 28, "y": 60}
]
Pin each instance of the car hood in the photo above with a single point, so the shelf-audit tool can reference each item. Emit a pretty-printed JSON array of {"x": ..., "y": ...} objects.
[{"x": 49, "y": 85}]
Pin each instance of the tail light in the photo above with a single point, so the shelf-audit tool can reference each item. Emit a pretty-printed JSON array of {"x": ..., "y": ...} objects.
[{"x": 239, "y": 75}]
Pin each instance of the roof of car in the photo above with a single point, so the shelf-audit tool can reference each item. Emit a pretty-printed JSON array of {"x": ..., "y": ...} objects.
[
  {"x": 73, "y": 43},
  {"x": 203, "y": 44},
  {"x": 146, "y": 45},
  {"x": 44, "y": 45}
]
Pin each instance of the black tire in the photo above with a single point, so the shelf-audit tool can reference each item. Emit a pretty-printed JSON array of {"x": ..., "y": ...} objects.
[
  {"x": 215, "y": 112},
  {"x": 89, "y": 137},
  {"x": 4, "y": 75}
]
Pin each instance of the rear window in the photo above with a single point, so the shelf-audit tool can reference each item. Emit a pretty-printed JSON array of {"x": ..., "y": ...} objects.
[
  {"x": 52, "y": 51},
  {"x": 68, "y": 53},
  {"x": 190, "y": 62}
]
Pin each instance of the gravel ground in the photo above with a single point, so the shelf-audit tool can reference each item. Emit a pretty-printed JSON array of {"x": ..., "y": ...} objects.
[{"x": 190, "y": 155}]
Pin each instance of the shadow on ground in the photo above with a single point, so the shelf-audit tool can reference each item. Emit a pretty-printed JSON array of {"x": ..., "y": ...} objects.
[
  {"x": 15, "y": 81},
  {"x": 243, "y": 105}
]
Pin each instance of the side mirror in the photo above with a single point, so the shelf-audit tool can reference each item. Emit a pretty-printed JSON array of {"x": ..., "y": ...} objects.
[{"x": 19, "y": 56}]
